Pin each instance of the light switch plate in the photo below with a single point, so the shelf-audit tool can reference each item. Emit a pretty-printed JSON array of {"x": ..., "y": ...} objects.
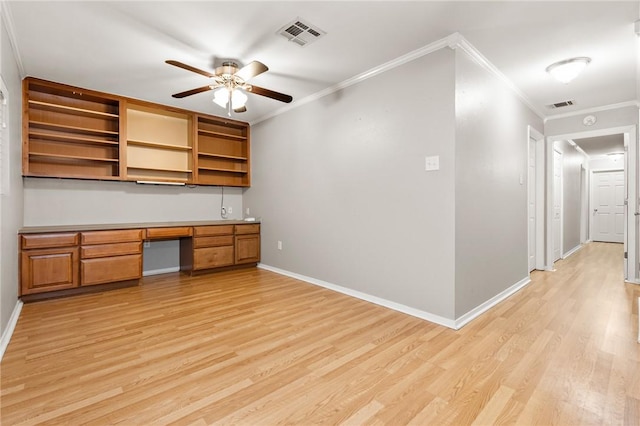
[{"x": 432, "y": 163}]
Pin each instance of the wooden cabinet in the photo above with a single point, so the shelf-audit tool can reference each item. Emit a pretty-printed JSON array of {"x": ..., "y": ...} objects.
[
  {"x": 43, "y": 270},
  {"x": 247, "y": 243},
  {"x": 57, "y": 263},
  {"x": 159, "y": 144},
  {"x": 212, "y": 247},
  {"x": 223, "y": 152},
  {"x": 110, "y": 256},
  {"x": 69, "y": 132},
  {"x": 218, "y": 246}
]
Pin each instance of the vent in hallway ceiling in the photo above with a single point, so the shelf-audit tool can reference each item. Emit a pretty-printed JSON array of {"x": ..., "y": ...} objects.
[
  {"x": 561, "y": 104},
  {"x": 301, "y": 32}
]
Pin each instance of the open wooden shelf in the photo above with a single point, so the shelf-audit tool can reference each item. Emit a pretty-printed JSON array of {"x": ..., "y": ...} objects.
[
  {"x": 69, "y": 138},
  {"x": 159, "y": 145},
  {"x": 219, "y": 169},
  {"x": 71, "y": 129},
  {"x": 230, "y": 157},
  {"x": 72, "y": 157},
  {"x": 221, "y": 134},
  {"x": 47, "y": 106}
]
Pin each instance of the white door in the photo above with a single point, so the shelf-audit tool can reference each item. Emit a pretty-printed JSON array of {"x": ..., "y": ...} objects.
[
  {"x": 608, "y": 206},
  {"x": 557, "y": 205},
  {"x": 532, "y": 204}
]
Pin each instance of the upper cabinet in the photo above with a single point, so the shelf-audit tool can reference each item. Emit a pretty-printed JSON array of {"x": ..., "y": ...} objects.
[
  {"x": 159, "y": 144},
  {"x": 223, "y": 152},
  {"x": 70, "y": 132}
]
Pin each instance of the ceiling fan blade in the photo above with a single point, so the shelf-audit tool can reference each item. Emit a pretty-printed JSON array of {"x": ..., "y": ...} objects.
[
  {"x": 193, "y": 91},
  {"x": 189, "y": 68},
  {"x": 243, "y": 109},
  {"x": 269, "y": 94},
  {"x": 251, "y": 70}
]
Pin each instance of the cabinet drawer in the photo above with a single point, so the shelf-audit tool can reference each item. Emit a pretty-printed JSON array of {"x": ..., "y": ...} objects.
[
  {"x": 247, "y": 229},
  {"x": 49, "y": 240},
  {"x": 206, "y": 231},
  {"x": 48, "y": 270},
  {"x": 110, "y": 269},
  {"x": 212, "y": 257},
  {"x": 107, "y": 237},
  {"x": 105, "y": 250},
  {"x": 222, "y": 240},
  {"x": 173, "y": 232}
]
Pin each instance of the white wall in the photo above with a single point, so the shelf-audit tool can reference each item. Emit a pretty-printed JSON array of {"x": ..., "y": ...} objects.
[
  {"x": 341, "y": 182},
  {"x": 607, "y": 162},
  {"x": 11, "y": 204},
  {"x": 491, "y": 185}
]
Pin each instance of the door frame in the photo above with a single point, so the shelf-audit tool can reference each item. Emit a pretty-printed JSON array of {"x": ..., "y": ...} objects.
[
  {"x": 538, "y": 137},
  {"x": 631, "y": 270},
  {"x": 553, "y": 190}
]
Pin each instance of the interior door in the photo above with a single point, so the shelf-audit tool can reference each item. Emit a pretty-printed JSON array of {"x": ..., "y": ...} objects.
[
  {"x": 608, "y": 206},
  {"x": 557, "y": 205},
  {"x": 532, "y": 204}
]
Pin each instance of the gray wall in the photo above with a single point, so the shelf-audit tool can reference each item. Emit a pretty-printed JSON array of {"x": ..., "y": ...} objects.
[
  {"x": 79, "y": 202},
  {"x": 572, "y": 214},
  {"x": 491, "y": 202},
  {"x": 341, "y": 182},
  {"x": 11, "y": 204}
]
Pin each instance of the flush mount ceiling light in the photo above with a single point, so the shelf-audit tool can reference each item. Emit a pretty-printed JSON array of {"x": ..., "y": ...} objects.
[{"x": 567, "y": 70}]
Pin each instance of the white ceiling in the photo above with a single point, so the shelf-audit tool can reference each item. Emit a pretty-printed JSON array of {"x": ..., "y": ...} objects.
[{"x": 120, "y": 47}]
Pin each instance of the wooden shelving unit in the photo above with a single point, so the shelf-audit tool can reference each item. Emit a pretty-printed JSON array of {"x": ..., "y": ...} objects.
[
  {"x": 223, "y": 152},
  {"x": 159, "y": 144},
  {"x": 69, "y": 132}
]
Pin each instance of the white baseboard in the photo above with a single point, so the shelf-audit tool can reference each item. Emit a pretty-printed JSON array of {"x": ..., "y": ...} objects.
[
  {"x": 160, "y": 271},
  {"x": 366, "y": 297},
  {"x": 11, "y": 325},
  {"x": 573, "y": 250},
  {"x": 479, "y": 310}
]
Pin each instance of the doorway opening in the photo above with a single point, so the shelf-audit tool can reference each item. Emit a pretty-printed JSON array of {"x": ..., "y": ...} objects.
[{"x": 598, "y": 190}]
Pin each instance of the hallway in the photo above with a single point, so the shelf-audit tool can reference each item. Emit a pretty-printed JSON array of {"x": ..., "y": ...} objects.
[{"x": 254, "y": 347}]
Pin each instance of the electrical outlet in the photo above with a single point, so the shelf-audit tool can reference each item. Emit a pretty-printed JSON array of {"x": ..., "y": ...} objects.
[
  {"x": 432, "y": 163},
  {"x": 230, "y": 210},
  {"x": 279, "y": 245},
  {"x": 146, "y": 244},
  {"x": 248, "y": 211}
]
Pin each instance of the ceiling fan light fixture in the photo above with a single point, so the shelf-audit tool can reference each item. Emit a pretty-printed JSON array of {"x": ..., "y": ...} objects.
[
  {"x": 238, "y": 99},
  {"x": 221, "y": 97},
  {"x": 565, "y": 71}
]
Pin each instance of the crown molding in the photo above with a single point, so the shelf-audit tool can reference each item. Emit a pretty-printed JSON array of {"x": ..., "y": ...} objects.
[
  {"x": 463, "y": 44},
  {"x": 453, "y": 41},
  {"x": 7, "y": 20},
  {"x": 425, "y": 50},
  {"x": 594, "y": 109}
]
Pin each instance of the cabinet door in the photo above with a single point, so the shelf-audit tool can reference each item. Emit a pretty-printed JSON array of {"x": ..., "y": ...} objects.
[
  {"x": 110, "y": 269},
  {"x": 48, "y": 270},
  {"x": 247, "y": 248},
  {"x": 212, "y": 257}
]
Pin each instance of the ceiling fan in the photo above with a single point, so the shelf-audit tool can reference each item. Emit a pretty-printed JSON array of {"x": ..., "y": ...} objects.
[{"x": 230, "y": 83}]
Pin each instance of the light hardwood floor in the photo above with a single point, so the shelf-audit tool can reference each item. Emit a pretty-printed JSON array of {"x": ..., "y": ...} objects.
[{"x": 253, "y": 347}]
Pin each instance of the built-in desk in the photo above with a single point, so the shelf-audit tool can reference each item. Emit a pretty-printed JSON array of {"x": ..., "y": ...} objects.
[{"x": 63, "y": 260}]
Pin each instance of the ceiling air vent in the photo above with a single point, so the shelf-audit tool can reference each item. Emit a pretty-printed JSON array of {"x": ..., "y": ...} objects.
[
  {"x": 561, "y": 104},
  {"x": 300, "y": 32}
]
